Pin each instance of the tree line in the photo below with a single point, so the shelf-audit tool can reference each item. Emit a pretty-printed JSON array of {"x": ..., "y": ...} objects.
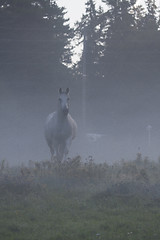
[
  {"x": 120, "y": 44},
  {"x": 34, "y": 40},
  {"x": 122, "y": 41},
  {"x": 37, "y": 32}
]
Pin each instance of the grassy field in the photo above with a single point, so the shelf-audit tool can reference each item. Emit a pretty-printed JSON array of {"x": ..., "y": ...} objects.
[{"x": 79, "y": 200}]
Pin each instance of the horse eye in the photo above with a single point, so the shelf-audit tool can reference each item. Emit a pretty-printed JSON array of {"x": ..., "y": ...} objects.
[
  {"x": 68, "y": 99},
  {"x": 59, "y": 99}
]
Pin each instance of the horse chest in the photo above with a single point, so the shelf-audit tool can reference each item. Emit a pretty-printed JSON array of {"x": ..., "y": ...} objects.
[{"x": 63, "y": 130}]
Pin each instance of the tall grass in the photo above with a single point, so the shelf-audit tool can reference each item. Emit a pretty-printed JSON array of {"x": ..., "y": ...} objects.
[
  {"x": 81, "y": 200},
  {"x": 77, "y": 172},
  {"x": 80, "y": 174}
]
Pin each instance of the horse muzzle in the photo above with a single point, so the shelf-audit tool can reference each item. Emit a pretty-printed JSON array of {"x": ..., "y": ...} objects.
[{"x": 66, "y": 111}]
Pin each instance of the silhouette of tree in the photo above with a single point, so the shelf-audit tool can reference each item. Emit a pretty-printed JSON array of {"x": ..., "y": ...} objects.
[
  {"x": 89, "y": 31},
  {"x": 150, "y": 20},
  {"x": 34, "y": 34},
  {"x": 120, "y": 24}
]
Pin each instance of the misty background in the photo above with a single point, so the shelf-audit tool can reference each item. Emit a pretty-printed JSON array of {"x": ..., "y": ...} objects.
[{"x": 118, "y": 69}]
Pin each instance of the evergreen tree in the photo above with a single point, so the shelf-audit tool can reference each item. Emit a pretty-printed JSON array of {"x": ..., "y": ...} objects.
[
  {"x": 120, "y": 28},
  {"x": 124, "y": 44},
  {"x": 89, "y": 32},
  {"x": 147, "y": 37},
  {"x": 150, "y": 20},
  {"x": 33, "y": 33}
]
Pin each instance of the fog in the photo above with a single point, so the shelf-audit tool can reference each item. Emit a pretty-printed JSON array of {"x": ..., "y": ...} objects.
[
  {"x": 120, "y": 60},
  {"x": 116, "y": 124}
]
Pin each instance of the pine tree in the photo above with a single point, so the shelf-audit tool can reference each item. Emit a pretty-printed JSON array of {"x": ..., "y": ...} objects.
[
  {"x": 33, "y": 32},
  {"x": 89, "y": 31},
  {"x": 120, "y": 24},
  {"x": 150, "y": 19}
]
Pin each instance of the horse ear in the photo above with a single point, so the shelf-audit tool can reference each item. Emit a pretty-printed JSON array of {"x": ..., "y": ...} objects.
[
  {"x": 67, "y": 90},
  {"x": 60, "y": 90}
]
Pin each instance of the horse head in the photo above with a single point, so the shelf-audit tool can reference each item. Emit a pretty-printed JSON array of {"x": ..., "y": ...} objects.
[{"x": 64, "y": 101}]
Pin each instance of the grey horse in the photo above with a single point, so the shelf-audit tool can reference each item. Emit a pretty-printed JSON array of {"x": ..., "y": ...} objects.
[{"x": 60, "y": 128}]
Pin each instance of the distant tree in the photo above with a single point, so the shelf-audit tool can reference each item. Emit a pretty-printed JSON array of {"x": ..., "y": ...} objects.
[
  {"x": 120, "y": 17},
  {"x": 147, "y": 37},
  {"x": 34, "y": 32},
  {"x": 150, "y": 20},
  {"x": 121, "y": 52},
  {"x": 89, "y": 31},
  {"x": 120, "y": 26}
]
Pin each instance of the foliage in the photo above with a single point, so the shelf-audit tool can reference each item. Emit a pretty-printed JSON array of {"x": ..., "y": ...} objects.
[
  {"x": 88, "y": 31},
  {"x": 120, "y": 53},
  {"x": 116, "y": 36},
  {"x": 35, "y": 41}
]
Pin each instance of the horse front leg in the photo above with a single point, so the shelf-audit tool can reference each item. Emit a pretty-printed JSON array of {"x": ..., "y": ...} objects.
[
  {"x": 51, "y": 151},
  {"x": 67, "y": 147},
  {"x": 54, "y": 149},
  {"x": 60, "y": 155}
]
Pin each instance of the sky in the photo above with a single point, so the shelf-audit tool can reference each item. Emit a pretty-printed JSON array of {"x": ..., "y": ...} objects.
[{"x": 75, "y": 8}]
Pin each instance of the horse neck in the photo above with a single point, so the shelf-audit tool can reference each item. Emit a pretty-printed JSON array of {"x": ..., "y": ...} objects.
[{"x": 60, "y": 114}]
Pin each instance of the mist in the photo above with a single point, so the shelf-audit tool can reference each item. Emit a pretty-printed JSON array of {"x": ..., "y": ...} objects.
[
  {"x": 120, "y": 63},
  {"x": 115, "y": 128}
]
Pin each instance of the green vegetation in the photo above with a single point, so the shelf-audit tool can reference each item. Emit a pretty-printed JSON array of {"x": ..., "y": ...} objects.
[{"x": 80, "y": 200}]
